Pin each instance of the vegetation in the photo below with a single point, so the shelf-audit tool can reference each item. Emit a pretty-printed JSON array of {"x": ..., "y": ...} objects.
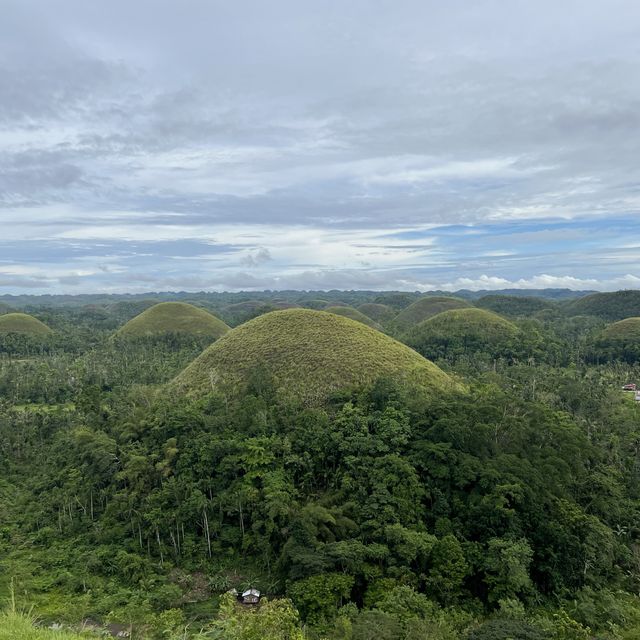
[
  {"x": 424, "y": 308},
  {"x": 307, "y": 354},
  {"x": 504, "y": 508},
  {"x": 465, "y": 332},
  {"x": 514, "y": 306},
  {"x": 619, "y": 341},
  {"x": 174, "y": 317},
  {"x": 241, "y": 312},
  {"x": 379, "y": 312},
  {"x": 22, "y": 323},
  {"x": 15, "y": 626},
  {"x": 616, "y": 305},
  {"x": 354, "y": 314}
]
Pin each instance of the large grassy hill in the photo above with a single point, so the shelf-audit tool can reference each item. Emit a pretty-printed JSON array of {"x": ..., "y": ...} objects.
[
  {"x": 425, "y": 308},
  {"x": 462, "y": 332},
  {"x": 616, "y": 305},
  {"x": 308, "y": 354},
  {"x": 22, "y": 323},
  {"x": 354, "y": 314},
  {"x": 174, "y": 317},
  {"x": 514, "y": 306},
  {"x": 379, "y": 312}
]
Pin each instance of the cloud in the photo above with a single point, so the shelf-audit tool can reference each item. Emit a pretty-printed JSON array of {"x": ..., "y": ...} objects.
[{"x": 321, "y": 132}]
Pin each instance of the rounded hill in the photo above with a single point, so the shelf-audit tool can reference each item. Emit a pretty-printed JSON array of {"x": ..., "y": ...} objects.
[
  {"x": 377, "y": 311},
  {"x": 619, "y": 341},
  {"x": 309, "y": 355},
  {"x": 354, "y": 314},
  {"x": 616, "y": 305},
  {"x": 627, "y": 330},
  {"x": 425, "y": 308},
  {"x": 23, "y": 323},
  {"x": 514, "y": 306},
  {"x": 463, "y": 331},
  {"x": 174, "y": 317}
]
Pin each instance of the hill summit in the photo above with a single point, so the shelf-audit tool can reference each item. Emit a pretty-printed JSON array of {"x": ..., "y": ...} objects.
[
  {"x": 461, "y": 331},
  {"x": 308, "y": 354},
  {"x": 174, "y": 317},
  {"x": 23, "y": 323},
  {"x": 426, "y": 308}
]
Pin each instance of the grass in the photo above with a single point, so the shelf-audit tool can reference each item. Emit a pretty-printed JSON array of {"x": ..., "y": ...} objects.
[
  {"x": 459, "y": 325},
  {"x": 514, "y": 306},
  {"x": 20, "y": 626},
  {"x": 376, "y": 311},
  {"x": 425, "y": 308},
  {"x": 43, "y": 408},
  {"x": 623, "y": 331},
  {"x": 612, "y": 306},
  {"x": 308, "y": 354},
  {"x": 354, "y": 314},
  {"x": 23, "y": 323},
  {"x": 174, "y": 317}
]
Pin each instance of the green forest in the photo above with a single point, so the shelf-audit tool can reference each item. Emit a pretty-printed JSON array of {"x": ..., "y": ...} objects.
[{"x": 388, "y": 466}]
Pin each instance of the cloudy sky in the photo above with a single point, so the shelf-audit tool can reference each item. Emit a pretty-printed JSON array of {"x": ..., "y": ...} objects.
[{"x": 312, "y": 144}]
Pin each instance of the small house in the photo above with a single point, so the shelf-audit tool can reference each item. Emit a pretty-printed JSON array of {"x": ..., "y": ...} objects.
[{"x": 250, "y": 596}]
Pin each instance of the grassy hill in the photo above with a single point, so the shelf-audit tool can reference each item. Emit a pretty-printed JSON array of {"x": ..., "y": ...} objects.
[
  {"x": 617, "y": 305},
  {"x": 425, "y": 308},
  {"x": 462, "y": 332},
  {"x": 627, "y": 330},
  {"x": 619, "y": 341},
  {"x": 174, "y": 317},
  {"x": 308, "y": 354},
  {"x": 317, "y": 304},
  {"x": 241, "y": 312},
  {"x": 379, "y": 312},
  {"x": 354, "y": 314},
  {"x": 22, "y": 323},
  {"x": 514, "y": 306}
]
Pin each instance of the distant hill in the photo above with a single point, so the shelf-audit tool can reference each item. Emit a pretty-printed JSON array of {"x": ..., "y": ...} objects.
[
  {"x": 23, "y": 323},
  {"x": 619, "y": 341},
  {"x": 463, "y": 331},
  {"x": 241, "y": 312},
  {"x": 425, "y": 308},
  {"x": 174, "y": 317},
  {"x": 514, "y": 306},
  {"x": 397, "y": 299},
  {"x": 307, "y": 354},
  {"x": 354, "y": 314},
  {"x": 616, "y": 305},
  {"x": 625, "y": 330},
  {"x": 379, "y": 312}
]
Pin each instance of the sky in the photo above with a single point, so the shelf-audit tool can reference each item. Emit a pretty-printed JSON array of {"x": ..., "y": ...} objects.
[{"x": 148, "y": 145}]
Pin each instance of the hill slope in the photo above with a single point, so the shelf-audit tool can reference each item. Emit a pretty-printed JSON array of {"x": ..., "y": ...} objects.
[
  {"x": 461, "y": 332},
  {"x": 616, "y": 305},
  {"x": 22, "y": 323},
  {"x": 309, "y": 354},
  {"x": 376, "y": 311},
  {"x": 627, "y": 330},
  {"x": 426, "y": 308},
  {"x": 174, "y": 317},
  {"x": 354, "y": 314},
  {"x": 514, "y": 306}
]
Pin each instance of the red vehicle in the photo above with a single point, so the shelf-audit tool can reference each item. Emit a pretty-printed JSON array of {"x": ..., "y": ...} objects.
[{"x": 629, "y": 387}]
